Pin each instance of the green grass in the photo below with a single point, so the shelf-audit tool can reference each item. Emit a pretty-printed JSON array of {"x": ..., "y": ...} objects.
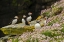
[
  {"x": 33, "y": 40},
  {"x": 50, "y": 33},
  {"x": 46, "y": 14},
  {"x": 62, "y": 30},
  {"x": 54, "y": 21}
]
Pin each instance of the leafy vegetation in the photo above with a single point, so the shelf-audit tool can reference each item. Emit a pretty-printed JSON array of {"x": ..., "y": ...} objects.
[
  {"x": 33, "y": 40},
  {"x": 50, "y": 33},
  {"x": 56, "y": 10},
  {"x": 54, "y": 21},
  {"x": 62, "y": 25},
  {"x": 62, "y": 30},
  {"x": 46, "y": 14}
]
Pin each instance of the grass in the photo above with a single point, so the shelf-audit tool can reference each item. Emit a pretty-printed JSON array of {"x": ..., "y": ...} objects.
[
  {"x": 56, "y": 10},
  {"x": 46, "y": 14},
  {"x": 54, "y": 21},
  {"x": 50, "y": 33},
  {"x": 62, "y": 30},
  {"x": 32, "y": 39}
]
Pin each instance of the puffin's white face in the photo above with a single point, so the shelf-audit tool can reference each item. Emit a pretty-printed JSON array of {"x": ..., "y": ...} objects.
[
  {"x": 29, "y": 13},
  {"x": 24, "y": 16},
  {"x": 16, "y": 17}
]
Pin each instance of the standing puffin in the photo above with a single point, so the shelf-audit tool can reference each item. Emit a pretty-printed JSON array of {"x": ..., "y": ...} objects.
[
  {"x": 24, "y": 20},
  {"x": 14, "y": 20},
  {"x": 37, "y": 25},
  {"x": 29, "y": 18}
]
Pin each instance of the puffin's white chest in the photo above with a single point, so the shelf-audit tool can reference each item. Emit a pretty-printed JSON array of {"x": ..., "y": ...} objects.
[
  {"x": 37, "y": 25},
  {"x": 23, "y": 21},
  {"x": 29, "y": 18},
  {"x": 14, "y": 21}
]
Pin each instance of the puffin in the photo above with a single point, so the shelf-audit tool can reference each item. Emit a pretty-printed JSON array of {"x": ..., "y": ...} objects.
[
  {"x": 14, "y": 21},
  {"x": 37, "y": 25},
  {"x": 24, "y": 20},
  {"x": 29, "y": 18}
]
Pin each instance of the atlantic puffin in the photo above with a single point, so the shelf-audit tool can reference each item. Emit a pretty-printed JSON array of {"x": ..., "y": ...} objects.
[
  {"x": 24, "y": 20},
  {"x": 14, "y": 21},
  {"x": 29, "y": 18},
  {"x": 37, "y": 25}
]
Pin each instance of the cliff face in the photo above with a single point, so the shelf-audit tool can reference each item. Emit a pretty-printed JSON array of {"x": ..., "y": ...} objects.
[
  {"x": 10, "y": 8},
  {"x": 53, "y": 31}
]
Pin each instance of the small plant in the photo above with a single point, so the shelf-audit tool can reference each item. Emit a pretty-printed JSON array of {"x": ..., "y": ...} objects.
[
  {"x": 50, "y": 33},
  {"x": 16, "y": 40},
  {"x": 46, "y": 14},
  {"x": 62, "y": 30},
  {"x": 47, "y": 33},
  {"x": 62, "y": 25},
  {"x": 33, "y": 40},
  {"x": 50, "y": 23},
  {"x": 12, "y": 40},
  {"x": 28, "y": 40},
  {"x": 56, "y": 10},
  {"x": 53, "y": 21},
  {"x": 55, "y": 30},
  {"x": 37, "y": 40}
]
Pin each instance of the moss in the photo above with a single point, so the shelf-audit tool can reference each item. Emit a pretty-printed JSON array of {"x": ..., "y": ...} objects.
[
  {"x": 39, "y": 17},
  {"x": 14, "y": 31}
]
